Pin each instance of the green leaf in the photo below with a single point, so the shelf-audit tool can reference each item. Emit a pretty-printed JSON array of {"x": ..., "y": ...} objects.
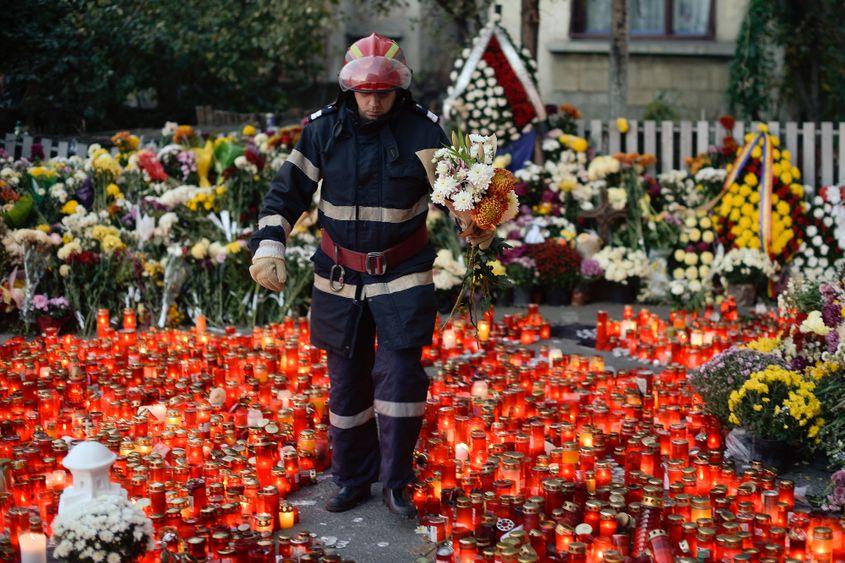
[
  {"x": 16, "y": 217},
  {"x": 225, "y": 154}
]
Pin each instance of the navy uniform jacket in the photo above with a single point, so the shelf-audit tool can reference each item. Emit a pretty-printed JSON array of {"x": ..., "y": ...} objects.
[{"x": 374, "y": 194}]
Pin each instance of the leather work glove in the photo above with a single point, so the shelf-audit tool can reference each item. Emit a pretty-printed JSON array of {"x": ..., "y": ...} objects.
[{"x": 269, "y": 272}]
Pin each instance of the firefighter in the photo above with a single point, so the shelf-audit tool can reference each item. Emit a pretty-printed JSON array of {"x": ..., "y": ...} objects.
[{"x": 373, "y": 270}]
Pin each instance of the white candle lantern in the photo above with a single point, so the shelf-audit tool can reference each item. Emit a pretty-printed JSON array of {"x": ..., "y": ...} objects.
[{"x": 89, "y": 463}]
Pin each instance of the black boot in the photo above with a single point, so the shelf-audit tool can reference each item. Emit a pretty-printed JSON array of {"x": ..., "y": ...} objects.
[
  {"x": 347, "y": 498},
  {"x": 398, "y": 502}
]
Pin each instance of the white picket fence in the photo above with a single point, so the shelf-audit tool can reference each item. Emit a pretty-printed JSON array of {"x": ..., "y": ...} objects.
[
  {"x": 817, "y": 149},
  {"x": 21, "y": 146}
]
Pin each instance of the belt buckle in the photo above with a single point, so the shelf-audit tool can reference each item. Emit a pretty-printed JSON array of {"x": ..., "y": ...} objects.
[
  {"x": 381, "y": 266},
  {"x": 336, "y": 287}
]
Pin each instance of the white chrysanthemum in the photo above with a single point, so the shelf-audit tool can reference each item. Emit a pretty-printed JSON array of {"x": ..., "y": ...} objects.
[
  {"x": 462, "y": 201},
  {"x": 480, "y": 175}
]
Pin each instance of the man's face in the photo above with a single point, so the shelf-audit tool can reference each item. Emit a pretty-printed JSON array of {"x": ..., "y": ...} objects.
[{"x": 372, "y": 105}]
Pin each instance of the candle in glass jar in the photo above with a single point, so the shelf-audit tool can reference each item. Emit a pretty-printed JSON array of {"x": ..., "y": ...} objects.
[
  {"x": 102, "y": 322},
  {"x": 286, "y": 516},
  {"x": 821, "y": 546},
  {"x": 450, "y": 338},
  {"x": 129, "y": 319},
  {"x": 483, "y": 330},
  {"x": 33, "y": 547}
]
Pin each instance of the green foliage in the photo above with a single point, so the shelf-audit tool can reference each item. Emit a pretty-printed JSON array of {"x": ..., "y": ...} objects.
[
  {"x": 71, "y": 64},
  {"x": 810, "y": 82},
  {"x": 661, "y": 108},
  {"x": 752, "y": 68}
]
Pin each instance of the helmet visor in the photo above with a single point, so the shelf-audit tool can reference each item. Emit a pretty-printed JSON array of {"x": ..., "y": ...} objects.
[{"x": 374, "y": 74}]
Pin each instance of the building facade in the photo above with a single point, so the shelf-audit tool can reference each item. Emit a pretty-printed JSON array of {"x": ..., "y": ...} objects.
[{"x": 680, "y": 50}]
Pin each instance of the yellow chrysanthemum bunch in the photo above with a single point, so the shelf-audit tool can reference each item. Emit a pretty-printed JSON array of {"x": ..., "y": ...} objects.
[
  {"x": 39, "y": 172},
  {"x": 738, "y": 213},
  {"x": 113, "y": 191},
  {"x": 202, "y": 201},
  {"x": 100, "y": 232},
  {"x": 111, "y": 243},
  {"x": 763, "y": 344},
  {"x": 822, "y": 370},
  {"x": 777, "y": 403},
  {"x": 104, "y": 163}
]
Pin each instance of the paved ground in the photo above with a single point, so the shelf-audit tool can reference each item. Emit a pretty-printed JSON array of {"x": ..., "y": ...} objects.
[{"x": 369, "y": 533}]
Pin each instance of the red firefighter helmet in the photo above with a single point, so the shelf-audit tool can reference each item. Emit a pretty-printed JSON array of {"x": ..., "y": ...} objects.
[{"x": 374, "y": 64}]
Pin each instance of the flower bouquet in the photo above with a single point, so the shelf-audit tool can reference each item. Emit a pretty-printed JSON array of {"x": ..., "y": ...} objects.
[
  {"x": 558, "y": 267},
  {"x": 481, "y": 198},
  {"x": 51, "y": 312},
  {"x": 107, "y": 528},
  {"x": 744, "y": 272},
  {"x": 726, "y": 373}
]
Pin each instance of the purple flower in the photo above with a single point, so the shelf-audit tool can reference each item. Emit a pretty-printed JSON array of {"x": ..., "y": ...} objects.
[
  {"x": 798, "y": 364},
  {"x": 59, "y": 302},
  {"x": 832, "y": 341},
  {"x": 85, "y": 193},
  {"x": 831, "y": 314},
  {"x": 591, "y": 268}
]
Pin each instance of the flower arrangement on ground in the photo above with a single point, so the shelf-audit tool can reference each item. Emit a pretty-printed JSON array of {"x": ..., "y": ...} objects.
[
  {"x": 777, "y": 404},
  {"x": 738, "y": 212},
  {"x": 558, "y": 263},
  {"x": 690, "y": 263},
  {"x": 106, "y": 529},
  {"x": 494, "y": 101},
  {"x": 744, "y": 266},
  {"x": 726, "y": 373},
  {"x": 622, "y": 264},
  {"x": 820, "y": 255}
]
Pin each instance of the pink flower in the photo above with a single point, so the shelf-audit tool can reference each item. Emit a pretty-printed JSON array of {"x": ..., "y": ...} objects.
[{"x": 40, "y": 302}]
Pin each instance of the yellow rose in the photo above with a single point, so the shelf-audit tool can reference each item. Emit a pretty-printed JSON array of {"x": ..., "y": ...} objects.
[
  {"x": 622, "y": 125},
  {"x": 249, "y": 130},
  {"x": 796, "y": 173},
  {"x": 707, "y": 236},
  {"x": 695, "y": 235},
  {"x": 44, "y": 228},
  {"x": 679, "y": 255},
  {"x": 751, "y": 179},
  {"x": 678, "y": 273},
  {"x": 705, "y": 223},
  {"x": 233, "y": 247},
  {"x": 691, "y": 259},
  {"x": 786, "y": 178},
  {"x": 756, "y": 152},
  {"x": 707, "y": 257}
]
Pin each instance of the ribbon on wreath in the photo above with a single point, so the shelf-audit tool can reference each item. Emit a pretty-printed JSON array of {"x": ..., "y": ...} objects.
[{"x": 766, "y": 182}]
